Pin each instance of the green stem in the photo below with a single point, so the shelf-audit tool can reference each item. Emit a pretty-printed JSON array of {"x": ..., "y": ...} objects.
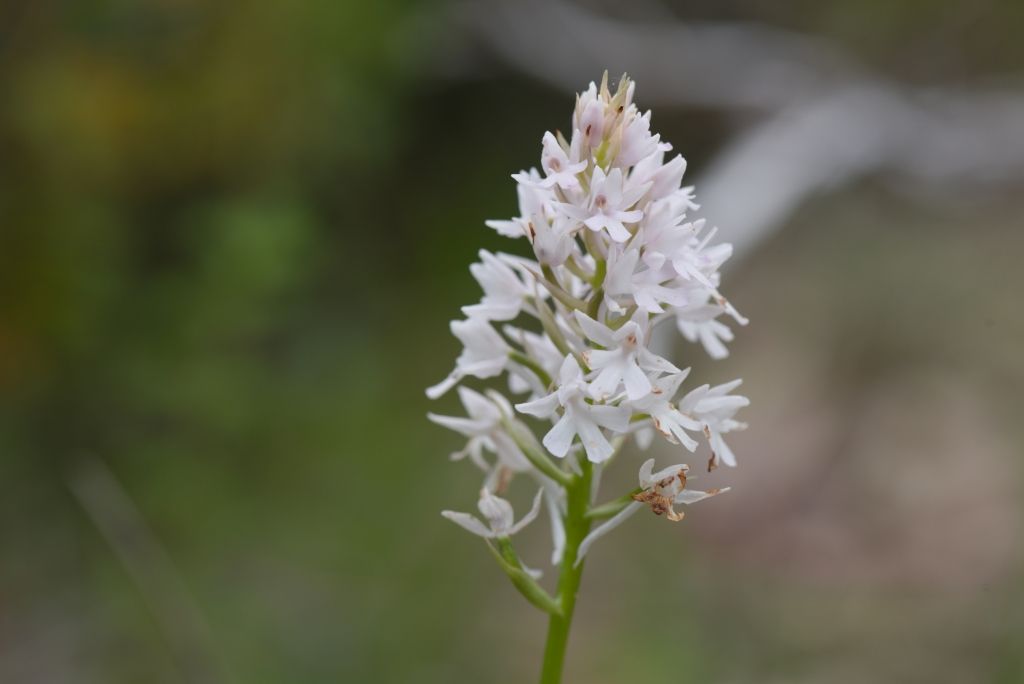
[
  {"x": 524, "y": 439},
  {"x": 613, "y": 507},
  {"x": 577, "y": 270},
  {"x": 554, "y": 286},
  {"x": 527, "y": 586},
  {"x": 524, "y": 360},
  {"x": 599, "y": 272},
  {"x": 577, "y": 525},
  {"x": 547, "y": 321},
  {"x": 595, "y": 303}
]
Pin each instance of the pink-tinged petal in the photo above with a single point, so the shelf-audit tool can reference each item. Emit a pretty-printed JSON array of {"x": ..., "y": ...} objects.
[
  {"x": 621, "y": 266},
  {"x": 572, "y": 211},
  {"x": 645, "y": 301},
  {"x": 630, "y": 197},
  {"x": 630, "y": 216},
  {"x": 596, "y": 222},
  {"x": 668, "y": 177},
  {"x": 617, "y": 231},
  {"x": 526, "y": 179}
]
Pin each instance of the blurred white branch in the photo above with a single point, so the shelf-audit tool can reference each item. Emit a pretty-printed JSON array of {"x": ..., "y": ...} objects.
[
  {"x": 708, "y": 64},
  {"x": 823, "y": 121},
  {"x": 960, "y": 138}
]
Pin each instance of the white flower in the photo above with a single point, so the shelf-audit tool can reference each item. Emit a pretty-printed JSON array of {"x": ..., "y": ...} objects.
[
  {"x": 667, "y": 237},
  {"x": 561, "y": 170},
  {"x": 533, "y": 200},
  {"x": 693, "y": 258},
  {"x": 498, "y": 514},
  {"x": 623, "y": 359},
  {"x": 699, "y": 260},
  {"x": 661, "y": 491},
  {"x": 504, "y": 292},
  {"x": 554, "y": 499},
  {"x": 588, "y": 118},
  {"x": 578, "y": 418},
  {"x": 643, "y": 287},
  {"x": 667, "y": 487},
  {"x": 484, "y": 429},
  {"x": 607, "y": 207},
  {"x": 617, "y": 250},
  {"x": 618, "y": 280},
  {"x": 664, "y": 178},
  {"x": 552, "y": 242},
  {"x": 637, "y": 142},
  {"x": 664, "y": 416},
  {"x": 484, "y": 354},
  {"x": 540, "y": 349},
  {"x": 714, "y": 408},
  {"x": 697, "y": 323}
]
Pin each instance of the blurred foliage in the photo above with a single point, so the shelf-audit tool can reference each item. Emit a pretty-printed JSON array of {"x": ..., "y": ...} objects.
[{"x": 216, "y": 219}]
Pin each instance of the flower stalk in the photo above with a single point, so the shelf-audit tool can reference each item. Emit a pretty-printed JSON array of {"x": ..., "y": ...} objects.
[
  {"x": 614, "y": 254},
  {"x": 577, "y": 525},
  {"x": 522, "y": 579},
  {"x": 613, "y": 507}
]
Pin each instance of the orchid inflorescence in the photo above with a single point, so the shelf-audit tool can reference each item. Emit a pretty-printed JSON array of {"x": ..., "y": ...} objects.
[{"x": 616, "y": 255}]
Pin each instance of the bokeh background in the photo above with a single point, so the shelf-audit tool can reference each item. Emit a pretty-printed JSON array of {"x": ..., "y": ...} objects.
[{"x": 232, "y": 234}]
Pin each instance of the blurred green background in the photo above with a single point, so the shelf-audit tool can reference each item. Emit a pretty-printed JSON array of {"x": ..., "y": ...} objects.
[{"x": 231, "y": 237}]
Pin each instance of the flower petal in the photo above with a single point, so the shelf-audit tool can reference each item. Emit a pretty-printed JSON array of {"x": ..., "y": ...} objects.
[
  {"x": 468, "y": 522},
  {"x": 606, "y": 527},
  {"x": 541, "y": 408},
  {"x": 530, "y": 516},
  {"x": 559, "y": 438}
]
